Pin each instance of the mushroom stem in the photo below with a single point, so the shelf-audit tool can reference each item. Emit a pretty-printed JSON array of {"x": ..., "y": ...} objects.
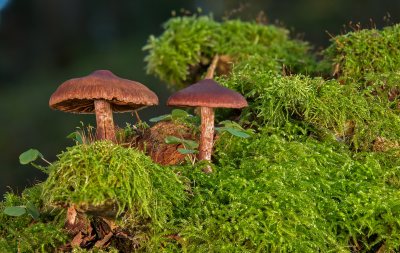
[
  {"x": 207, "y": 134},
  {"x": 104, "y": 120}
]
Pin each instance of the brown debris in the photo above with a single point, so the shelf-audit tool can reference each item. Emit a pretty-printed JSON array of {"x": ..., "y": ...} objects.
[
  {"x": 103, "y": 242},
  {"x": 153, "y": 142},
  {"x": 381, "y": 144},
  {"x": 86, "y": 233},
  {"x": 78, "y": 239},
  {"x": 393, "y": 94},
  {"x": 71, "y": 215},
  {"x": 108, "y": 209},
  {"x": 224, "y": 65},
  {"x": 76, "y": 222}
]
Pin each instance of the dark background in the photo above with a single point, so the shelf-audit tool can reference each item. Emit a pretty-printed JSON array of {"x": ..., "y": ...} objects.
[{"x": 45, "y": 42}]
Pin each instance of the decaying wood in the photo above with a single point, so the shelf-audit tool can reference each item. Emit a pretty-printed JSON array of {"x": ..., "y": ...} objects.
[
  {"x": 76, "y": 242},
  {"x": 71, "y": 215},
  {"x": 103, "y": 241},
  {"x": 153, "y": 142}
]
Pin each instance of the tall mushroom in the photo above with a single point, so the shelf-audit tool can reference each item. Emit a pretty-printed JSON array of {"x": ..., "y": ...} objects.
[
  {"x": 207, "y": 94},
  {"x": 102, "y": 93}
]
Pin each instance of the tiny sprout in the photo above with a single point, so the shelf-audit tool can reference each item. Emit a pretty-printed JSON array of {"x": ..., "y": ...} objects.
[{"x": 30, "y": 156}]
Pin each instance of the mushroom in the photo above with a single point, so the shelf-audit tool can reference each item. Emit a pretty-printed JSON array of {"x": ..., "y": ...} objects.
[
  {"x": 207, "y": 94},
  {"x": 102, "y": 93}
]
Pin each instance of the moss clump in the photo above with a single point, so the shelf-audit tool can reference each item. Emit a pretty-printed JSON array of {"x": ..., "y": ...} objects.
[
  {"x": 356, "y": 54},
  {"x": 273, "y": 195},
  {"x": 104, "y": 175},
  {"x": 25, "y": 234},
  {"x": 311, "y": 178},
  {"x": 189, "y": 43},
  {"x": 314, "y": 106}
]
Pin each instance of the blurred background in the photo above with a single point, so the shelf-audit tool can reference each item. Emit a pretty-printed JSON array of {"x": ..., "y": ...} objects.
[{"x": 45, "y": 42}]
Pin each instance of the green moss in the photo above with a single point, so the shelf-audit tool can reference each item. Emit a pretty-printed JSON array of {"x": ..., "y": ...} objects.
[
  {"x": 105, "y": 175},
  {"x": 273, "y": 195},
  {"x": 109, "y": 250},
  {"x": 358, "y": 53},
  {"x": 25, "y": 234},
  {"x": 189, "y": 43},
  {"x": 319, "y": 107}
]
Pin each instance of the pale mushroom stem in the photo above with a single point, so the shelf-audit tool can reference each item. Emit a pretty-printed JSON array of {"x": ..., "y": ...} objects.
[
  {"x": 104, "y": 120},
  {"x": 207, "y": 123},
  {"x": 206, "y": 135}
]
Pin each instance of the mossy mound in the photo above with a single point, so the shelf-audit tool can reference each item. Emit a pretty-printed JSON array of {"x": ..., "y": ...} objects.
[
  {"x": 318, "y": 107},
  {"x": 103, "y": 174},
  {"x": 25, "y": 234},
  {"x": 269, "y": 194},
  {"x": 357, "y": 54},
  {"x": 182, "y": 53}
]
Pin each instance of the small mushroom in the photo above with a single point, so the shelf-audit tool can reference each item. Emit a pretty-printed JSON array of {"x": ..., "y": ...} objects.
[
  {"x": 207, "y": 94},
  {"x": 102, "y": 93}
]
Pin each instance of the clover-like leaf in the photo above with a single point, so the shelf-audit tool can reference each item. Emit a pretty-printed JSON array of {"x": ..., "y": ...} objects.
[
  {"x": 190, "y": 144},
  {"x": 232, "y": 124},
  {"x": 185, "y": 151},
  {"x": 15, "y": 210},
  {"x": 30, "y": 156},
  {"x": 160, "y": 118},
  {"x": 179, "y": 114},
  {"x": 237, "y": 133},
  {"x": 173, "y": 140}
]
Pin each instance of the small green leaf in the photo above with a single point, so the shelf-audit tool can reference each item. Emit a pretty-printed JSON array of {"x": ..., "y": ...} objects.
[
  {"x": 76, "y": 137},
  {"x": 185, "y": 151},
  {"x": 160, "y": 118},
  {"x": 179, "y": 114},
  {"x": 226, "y": 122},
  {"x": 232, "y": 124},
  {"x": 190, "y": 144},
  {"x": 173, "y": 140},
  {"x": 29, "y": 156},
  {"x": 15, "y": 210},
  {"x": 32, "y": 210},
  {"x": 237, "y": 133}
]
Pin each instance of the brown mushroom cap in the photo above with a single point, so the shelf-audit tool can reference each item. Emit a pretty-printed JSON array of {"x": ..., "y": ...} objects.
[
  {"x": 77, "y": 95},
  {"x": 207, "y": 93}
]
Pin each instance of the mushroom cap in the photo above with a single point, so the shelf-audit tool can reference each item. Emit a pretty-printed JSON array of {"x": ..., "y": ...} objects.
[
  {"x": 207, "y": 93},
  {"x": 78, "y": 94}
]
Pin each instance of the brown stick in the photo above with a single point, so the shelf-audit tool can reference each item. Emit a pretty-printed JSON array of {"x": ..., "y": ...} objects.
[
  {"x": 212, "y": 67},
  {"x": 137, "y": 117},
  {"x": 104, "y": 120}
]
